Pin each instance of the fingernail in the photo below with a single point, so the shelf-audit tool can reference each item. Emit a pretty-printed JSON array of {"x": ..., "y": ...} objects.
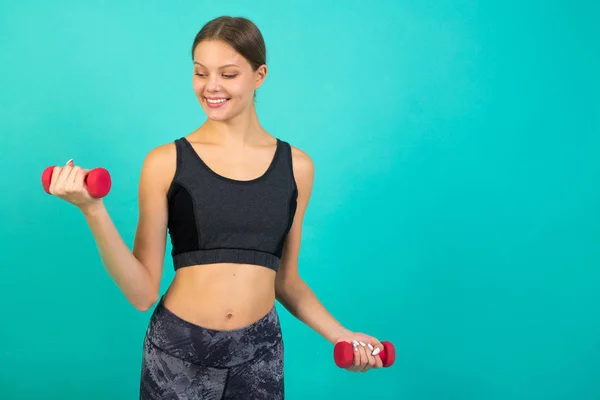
[
  {"x": 370, "y": 347},
  {"x": 67, "y": 163},
  {"x": 355, "y": 348},
  {"x": 355, "y": 342},
  {"x": 376, "y": 351},
  {"x": 362, "y": 344}
]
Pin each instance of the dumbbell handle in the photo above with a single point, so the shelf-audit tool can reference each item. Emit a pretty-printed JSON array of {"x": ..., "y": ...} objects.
[
  {"x": 98, "y": 181},
  {"x": 343, "y": 354}
]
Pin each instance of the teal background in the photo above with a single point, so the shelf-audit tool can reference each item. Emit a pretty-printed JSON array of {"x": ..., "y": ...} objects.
[{"x": 456, "y": 201}]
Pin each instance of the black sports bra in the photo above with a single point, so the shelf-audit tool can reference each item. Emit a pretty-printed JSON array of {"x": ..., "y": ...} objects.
[{"x": 215, "y": 219}]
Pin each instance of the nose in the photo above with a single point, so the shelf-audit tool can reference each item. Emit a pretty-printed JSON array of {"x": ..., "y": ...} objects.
[{"x": 213, "y": 85}]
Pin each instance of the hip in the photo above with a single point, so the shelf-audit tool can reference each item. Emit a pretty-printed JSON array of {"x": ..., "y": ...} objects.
[{"x": 212, "y": 347}]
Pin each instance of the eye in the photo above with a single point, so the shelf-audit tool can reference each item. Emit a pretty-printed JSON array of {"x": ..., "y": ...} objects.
[{"x": 224, "y": 76}]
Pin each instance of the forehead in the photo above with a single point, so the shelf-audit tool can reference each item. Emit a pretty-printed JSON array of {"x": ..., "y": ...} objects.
[{"x": 215, "y": 54}]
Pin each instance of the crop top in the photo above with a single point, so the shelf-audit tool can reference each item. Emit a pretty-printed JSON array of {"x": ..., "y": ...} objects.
[{"x": 216, "y": 219}]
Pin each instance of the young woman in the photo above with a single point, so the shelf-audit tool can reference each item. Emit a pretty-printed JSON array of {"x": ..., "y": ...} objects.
[{"x": 232, "y": 197}]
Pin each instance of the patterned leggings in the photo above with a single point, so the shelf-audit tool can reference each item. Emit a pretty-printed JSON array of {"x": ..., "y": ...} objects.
[{"x": 182, "y": 360}]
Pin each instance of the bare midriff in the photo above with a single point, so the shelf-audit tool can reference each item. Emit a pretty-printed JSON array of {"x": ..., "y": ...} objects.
[{"x": 221, "y": 296}]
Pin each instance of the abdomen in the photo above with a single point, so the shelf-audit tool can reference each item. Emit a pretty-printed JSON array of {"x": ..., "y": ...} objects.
[{"x": 221, "y": 296}]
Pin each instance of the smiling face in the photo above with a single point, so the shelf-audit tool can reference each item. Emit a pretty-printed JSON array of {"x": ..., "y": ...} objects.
[{"x": 223, "y": 80}]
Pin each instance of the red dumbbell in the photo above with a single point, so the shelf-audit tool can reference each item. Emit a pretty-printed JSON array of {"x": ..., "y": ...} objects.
[
  {"x": 97, "y": 180},
  {"x": 343, "y": 354}
]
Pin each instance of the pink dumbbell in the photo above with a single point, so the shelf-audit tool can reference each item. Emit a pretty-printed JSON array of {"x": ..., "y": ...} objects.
[
  {"x": 98, "y": 181},
  {"x": 344, "y": 356}
]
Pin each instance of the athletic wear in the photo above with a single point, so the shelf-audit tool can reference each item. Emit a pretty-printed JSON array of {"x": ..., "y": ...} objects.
[
  {"x": 182, "y": 360},
  {"x": 215, "y": 219}
]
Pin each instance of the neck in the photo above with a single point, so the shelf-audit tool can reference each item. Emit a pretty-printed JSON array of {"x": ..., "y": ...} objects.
[{"x": 239, "y": 131}]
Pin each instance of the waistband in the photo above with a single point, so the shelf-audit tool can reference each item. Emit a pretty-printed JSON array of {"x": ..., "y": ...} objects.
[
  {"x": 215, "y": 348},
  {"x": 239, "y": 256}
]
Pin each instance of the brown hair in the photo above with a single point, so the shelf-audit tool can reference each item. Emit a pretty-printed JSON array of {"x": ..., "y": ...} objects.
[{"x": 238, "y": 32}]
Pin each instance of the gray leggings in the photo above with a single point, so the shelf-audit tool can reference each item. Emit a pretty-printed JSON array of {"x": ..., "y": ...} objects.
[{"x": 182, "y": 360}]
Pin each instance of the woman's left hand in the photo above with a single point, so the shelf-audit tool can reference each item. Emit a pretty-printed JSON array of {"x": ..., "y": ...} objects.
[{"x": 366, "y": 349}]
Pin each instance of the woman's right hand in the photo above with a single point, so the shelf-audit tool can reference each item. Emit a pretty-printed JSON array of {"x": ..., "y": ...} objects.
[{"x": 68, "y": 184}]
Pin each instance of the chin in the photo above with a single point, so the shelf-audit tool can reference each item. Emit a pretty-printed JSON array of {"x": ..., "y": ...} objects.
[
  {"x": 221, "y": 115},
  {"x": 218, "y": 119}
]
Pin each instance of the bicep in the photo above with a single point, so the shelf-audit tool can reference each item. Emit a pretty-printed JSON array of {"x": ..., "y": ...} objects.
[{"x": 150, "y": 238}]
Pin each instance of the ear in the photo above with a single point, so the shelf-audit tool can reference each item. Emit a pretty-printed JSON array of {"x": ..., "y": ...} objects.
[{"x": 260, "y": 75}]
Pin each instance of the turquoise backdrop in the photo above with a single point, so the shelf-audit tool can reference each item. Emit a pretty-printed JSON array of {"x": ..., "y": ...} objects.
[{"x": 456, "y": 203}]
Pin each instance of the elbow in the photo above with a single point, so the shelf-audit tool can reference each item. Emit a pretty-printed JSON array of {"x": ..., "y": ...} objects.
[
  {"x": 143, "y": 307},
  {"x": 288, "y": 284},
  {"x": 146, "y": 303}
]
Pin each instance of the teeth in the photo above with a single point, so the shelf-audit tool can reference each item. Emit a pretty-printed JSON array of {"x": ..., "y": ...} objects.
[{"x": 216, "y": 101}]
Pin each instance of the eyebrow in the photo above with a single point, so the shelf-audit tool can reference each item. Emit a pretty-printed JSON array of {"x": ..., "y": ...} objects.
[{"x": 223, "y": 66}]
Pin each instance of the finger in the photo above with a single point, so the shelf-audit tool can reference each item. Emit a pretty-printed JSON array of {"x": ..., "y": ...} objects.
[
  {"x": 367, "y": 359},
  {"x": 371, "y": 362},
  {"x": 74, "y": 180},
  {"x": 54, "y": 179},
  {"x": 80, "y": 182},
  {"x": 364, "y": 358},
  {"x": 80, "y": 177},
  {"x": 378, "y": 360},
  {"x": 375, "y": 354},
  {"x": 69, "y": 166},
  {"x": 62, "y": 178},
  {"x": 376, "y": 347}
]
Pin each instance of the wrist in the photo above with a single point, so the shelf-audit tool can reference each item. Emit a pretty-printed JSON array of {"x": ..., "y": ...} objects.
[
  {"x": 92, "y": 209},
  {"x": 339, "y": 334}
]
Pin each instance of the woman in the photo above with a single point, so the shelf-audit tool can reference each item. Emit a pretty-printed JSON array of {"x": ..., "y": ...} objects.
[{"x": 232, "y": 197}]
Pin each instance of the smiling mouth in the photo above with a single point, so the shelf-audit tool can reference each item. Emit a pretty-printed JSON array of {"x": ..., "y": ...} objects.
[{"x": 216, "y": 103}]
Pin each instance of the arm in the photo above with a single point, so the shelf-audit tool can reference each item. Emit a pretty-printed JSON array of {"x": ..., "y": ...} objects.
[
  {"x": 297, "y": 297},
  {"x": 137, "y": 273},
  {"x": 290, "y": 289}
]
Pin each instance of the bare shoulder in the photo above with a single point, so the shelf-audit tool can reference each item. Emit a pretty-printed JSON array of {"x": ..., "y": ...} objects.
[
  {"x": 304, "y": 170},
  {"x": 300, "y": 156},
  {"x": 160, "y": 164}
]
